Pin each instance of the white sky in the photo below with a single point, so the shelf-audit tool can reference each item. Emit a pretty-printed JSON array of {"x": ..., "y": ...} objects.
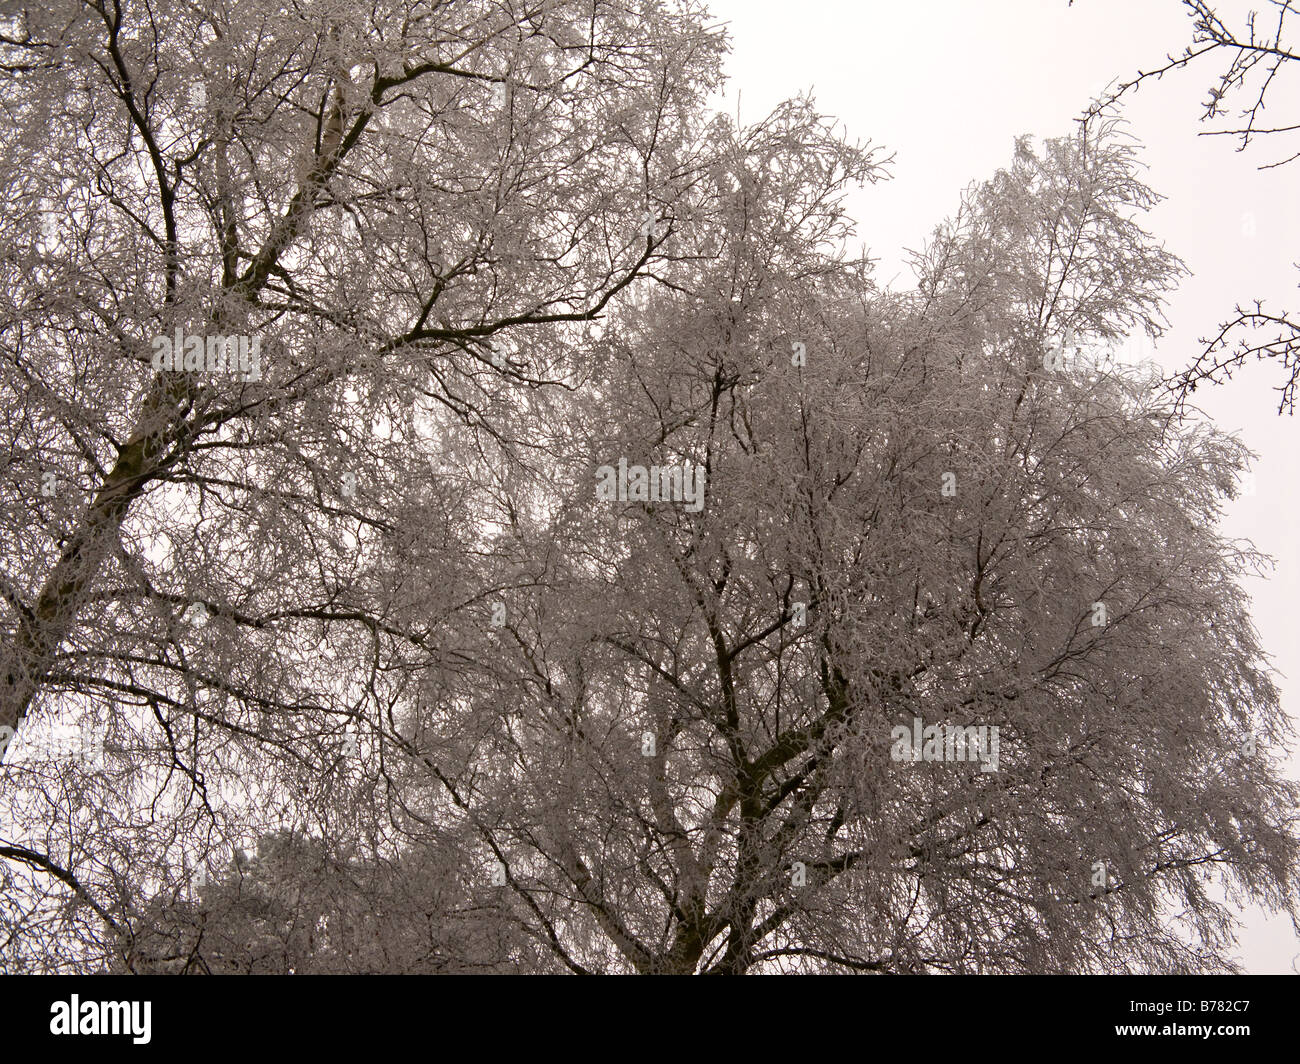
[{"x": 946, "y": 85}]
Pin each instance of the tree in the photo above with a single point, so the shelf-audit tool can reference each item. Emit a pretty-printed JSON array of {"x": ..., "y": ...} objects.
[
  {"x": 1256, "y": 62},
  {"x": 694, "y": 765}
]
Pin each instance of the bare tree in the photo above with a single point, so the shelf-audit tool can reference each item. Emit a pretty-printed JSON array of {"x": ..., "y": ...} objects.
[{"x": 1256, "y": 69}]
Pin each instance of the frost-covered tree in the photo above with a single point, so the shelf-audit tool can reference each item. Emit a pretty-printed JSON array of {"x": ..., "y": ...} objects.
[
  {"x": 402, "y": 216},
  {"x": 917, "y": 507}
]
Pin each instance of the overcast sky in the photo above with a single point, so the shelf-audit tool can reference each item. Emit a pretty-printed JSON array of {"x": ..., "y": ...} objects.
[{"x": 948, "y": 84}]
